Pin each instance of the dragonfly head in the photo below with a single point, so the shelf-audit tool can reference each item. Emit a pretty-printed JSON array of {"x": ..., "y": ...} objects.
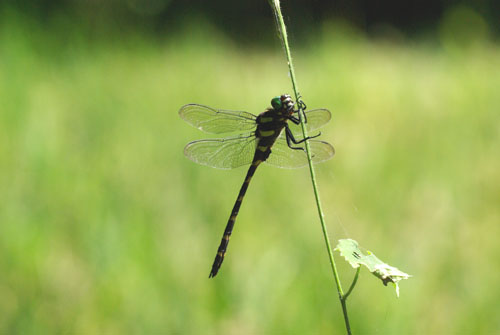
[{"x": 284, "y": 100}]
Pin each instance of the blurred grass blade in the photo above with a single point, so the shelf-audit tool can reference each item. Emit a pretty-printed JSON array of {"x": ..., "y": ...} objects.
[{"x": 352, "y": 253}]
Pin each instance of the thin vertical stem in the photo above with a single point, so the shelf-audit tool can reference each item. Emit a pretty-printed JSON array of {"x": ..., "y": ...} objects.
[{"x": 284, "y": 38}]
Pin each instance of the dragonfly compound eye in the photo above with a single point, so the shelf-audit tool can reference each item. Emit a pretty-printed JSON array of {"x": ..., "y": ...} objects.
[{"x": 276, "y": 102}]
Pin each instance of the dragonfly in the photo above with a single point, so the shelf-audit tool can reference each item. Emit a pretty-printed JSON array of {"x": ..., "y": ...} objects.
[{"x": 268, "y": 137}]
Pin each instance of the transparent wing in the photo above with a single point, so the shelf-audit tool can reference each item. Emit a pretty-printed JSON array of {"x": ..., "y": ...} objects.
[
  {"x": 217, "y": 121},
  {"x": 316, "y": 118},
  {"x": 284, "y": 157},
  {"x": 222, "y": 153}
]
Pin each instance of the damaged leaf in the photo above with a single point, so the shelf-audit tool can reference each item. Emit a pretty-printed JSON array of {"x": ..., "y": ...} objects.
[{"x": 352, "y": 253}]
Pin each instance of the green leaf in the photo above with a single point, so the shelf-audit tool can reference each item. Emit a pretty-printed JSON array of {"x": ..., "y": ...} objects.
[{"x": 352, "y": 253}]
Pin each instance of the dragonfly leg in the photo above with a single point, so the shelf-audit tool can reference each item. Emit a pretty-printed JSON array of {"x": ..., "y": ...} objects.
[
  {"x": 291, "y": 139},
  {"x": 309, "y": 137},
  {"x": 302, "y": 106},
  {"x": 295, "y": 119},
  {"x": 305, "y": 116}
]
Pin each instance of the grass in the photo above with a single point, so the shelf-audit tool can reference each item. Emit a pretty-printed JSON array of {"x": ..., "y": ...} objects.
[{"x": 106, "y": 228}]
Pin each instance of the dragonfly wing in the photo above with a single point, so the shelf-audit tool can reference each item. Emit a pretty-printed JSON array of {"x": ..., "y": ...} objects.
[
  {"x": 284, "y": 157},
  {"x": 316, "y": 118},
  {"x": 222, "y": 153},
  {"x": 217, "y": 121}
]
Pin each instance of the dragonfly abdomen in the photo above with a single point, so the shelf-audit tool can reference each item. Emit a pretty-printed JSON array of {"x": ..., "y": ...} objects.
[
  {"x": 221, "y": 252},
  {"x": 265, "y": 140}
]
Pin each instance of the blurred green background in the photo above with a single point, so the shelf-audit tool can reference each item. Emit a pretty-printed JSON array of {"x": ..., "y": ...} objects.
[{"x": 106, "y": 228}]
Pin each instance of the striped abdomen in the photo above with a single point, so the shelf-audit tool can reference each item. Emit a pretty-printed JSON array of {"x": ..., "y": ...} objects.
[
  {"x": 266, "y": 139},
  {"x": 230, "y": 223}
]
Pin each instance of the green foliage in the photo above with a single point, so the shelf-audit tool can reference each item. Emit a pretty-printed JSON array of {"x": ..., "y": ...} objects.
[
  {"x": 353, "y": 254},
  {"x": 105, "y": 227}
]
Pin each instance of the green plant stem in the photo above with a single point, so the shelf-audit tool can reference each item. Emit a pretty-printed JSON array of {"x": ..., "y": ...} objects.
[
  {"x": 354, "y": 281},
  {"x": 284, "y": 38}
]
